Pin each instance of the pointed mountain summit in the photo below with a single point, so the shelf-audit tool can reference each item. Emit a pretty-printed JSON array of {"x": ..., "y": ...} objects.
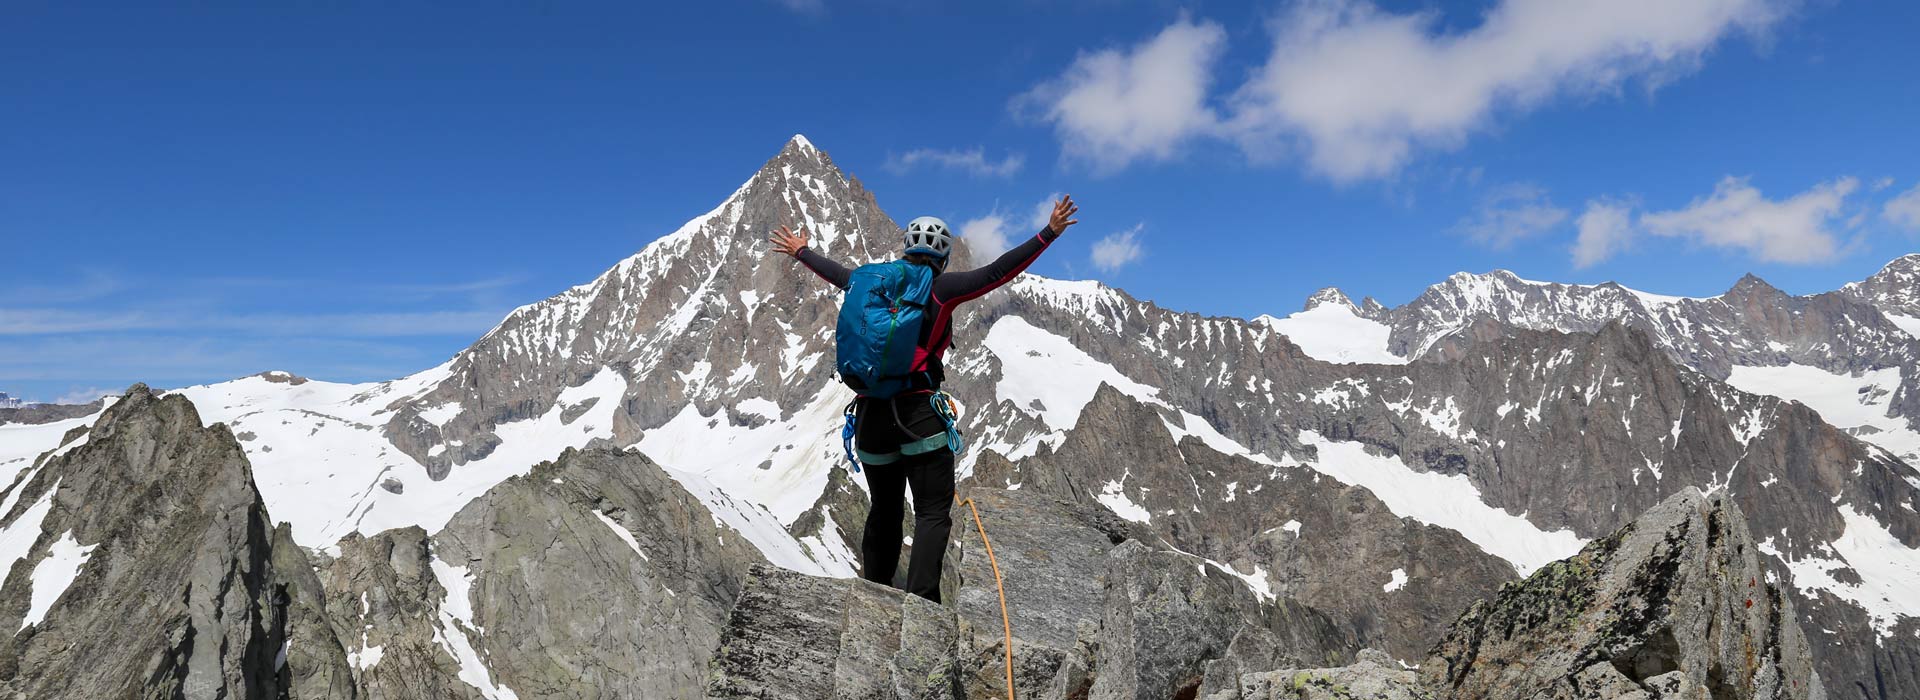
[
  {"x": 1330, "y": 295},
  {"x": 1895, "y": 289},
  {"x": 1552, "y": 413},
  {"x": 649, "y": 321}
]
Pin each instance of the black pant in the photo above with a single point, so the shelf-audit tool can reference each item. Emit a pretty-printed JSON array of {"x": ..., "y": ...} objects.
[{"x": 931, "y": 477}]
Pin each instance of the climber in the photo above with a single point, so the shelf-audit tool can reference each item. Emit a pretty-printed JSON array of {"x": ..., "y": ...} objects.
[{"x": 890, "y": 433}]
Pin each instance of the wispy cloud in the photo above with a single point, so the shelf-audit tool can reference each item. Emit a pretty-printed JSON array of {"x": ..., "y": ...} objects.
[
  {"x": 992, "y": 233},
  {"x": 344, "y": 325},
  {"x": 1904, "y": 210},
  {"x": 805, "y": 7},
  {"x": 973, "y": 161},
  {"x": 1737, "y": 216},
  {"x": 1358, "y": 91},
  {"x": 1803, "y": 228},
  {"x": 1606, "y": 229},
  {"x": 106, "y": 329},
  {"x": 1116, "y": 106},
  {"x": 169, "y": 359},
  {"x": 1511, "y": 213},
  {"x": 85, "y": 285},
  {"x": 86, "y": 395},
  {"x": 985, "y": 236},
  {"x": 1118, "y": 249}
]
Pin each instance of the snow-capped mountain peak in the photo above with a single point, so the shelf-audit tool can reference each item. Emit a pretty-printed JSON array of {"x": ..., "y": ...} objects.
[
  {"x": 1895, "y": 289},
  {"x": 1529, "y": 408},
  {"x": 1330, "y": 295}
]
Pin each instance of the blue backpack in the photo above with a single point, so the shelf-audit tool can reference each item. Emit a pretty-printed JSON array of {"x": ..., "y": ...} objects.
[{"x": 880, "y": 326}]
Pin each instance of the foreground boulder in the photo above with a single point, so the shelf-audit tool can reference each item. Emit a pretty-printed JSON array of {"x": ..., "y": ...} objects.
[
  {"x": 1093, "y": 613},
  {"x": 798, "y": 636},
  {"x": 1676, "y": 604}
]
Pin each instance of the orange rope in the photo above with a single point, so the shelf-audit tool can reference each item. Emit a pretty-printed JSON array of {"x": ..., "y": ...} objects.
[{"x": 1005, "y": 621}]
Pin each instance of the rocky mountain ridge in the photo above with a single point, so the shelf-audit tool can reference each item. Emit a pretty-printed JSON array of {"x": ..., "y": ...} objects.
[
  {"x": 596, "y": 576},
  {"x": 1505, "y": 451}
]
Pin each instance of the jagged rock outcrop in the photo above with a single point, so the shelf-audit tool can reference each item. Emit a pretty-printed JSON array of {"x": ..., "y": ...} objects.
[
  {"x": 579, "y": 565},
  {"x": 592, "y": 576},
  {"x": 1677, "y": 604},
  {"x": 1093, "y": 615},
  {"x": 142, "y": 563},
  {"x": 384, "y": 598}
]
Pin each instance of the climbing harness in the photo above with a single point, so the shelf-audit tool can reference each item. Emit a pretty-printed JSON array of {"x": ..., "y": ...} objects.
[
  {"x": 949, "y": 436},
  {"x": 1006, "y": 622}
]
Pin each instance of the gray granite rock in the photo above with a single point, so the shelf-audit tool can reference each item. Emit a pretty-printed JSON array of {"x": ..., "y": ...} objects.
[
  {"x": 1681, "y": 590},
  {"x": 179, "y": 585},
  {"x": 1168, "y": 615},
  {"x": 792, "y": 636},
  {"x": 1374, "y": 675}
]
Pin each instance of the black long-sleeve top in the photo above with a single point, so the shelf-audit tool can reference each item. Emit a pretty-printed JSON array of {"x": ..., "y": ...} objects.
[{"x": 950, "y": 289}]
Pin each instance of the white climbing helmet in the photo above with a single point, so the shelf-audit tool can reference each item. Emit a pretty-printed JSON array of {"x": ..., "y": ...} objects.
[{"x": 928, "y": 235}]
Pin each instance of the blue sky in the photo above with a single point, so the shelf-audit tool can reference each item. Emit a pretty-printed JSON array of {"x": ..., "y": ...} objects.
[{"x": 355, "y": 192}]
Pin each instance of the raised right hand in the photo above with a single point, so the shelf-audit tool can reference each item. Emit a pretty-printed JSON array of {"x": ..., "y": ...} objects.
[{"x": 788, "y": 241}]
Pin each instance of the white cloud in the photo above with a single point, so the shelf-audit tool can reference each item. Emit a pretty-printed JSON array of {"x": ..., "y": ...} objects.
[
  {"x": 1359, "y": 91},
  {"x": 992, "y": 233},
  {"x": 986, "y": 236},
  {"x": 1118, "y": 249},
  {"x": 1904, "y": 210},
  {"x": 1606, "y": 228},
  {"x": 974, "y": 162},
  {"x": 1043, "y": 212},
  {"x": 1511, "y": 213},
  {"x": 1115, "y": 106},
  {"x": 1737, "y": 216}
]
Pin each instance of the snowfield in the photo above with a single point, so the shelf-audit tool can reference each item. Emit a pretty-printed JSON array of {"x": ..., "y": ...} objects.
[
  {"x": 1842, "y": 400},
  {"x": 1887, "y": 571},
  {"x": 319, "y": 457},
  {"x": 1333, "y": 333},
  {"x": 1450, "y": 501}
]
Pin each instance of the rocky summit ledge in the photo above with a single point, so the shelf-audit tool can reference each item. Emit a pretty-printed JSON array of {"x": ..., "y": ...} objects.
[{"x": 1675, "y": 605}]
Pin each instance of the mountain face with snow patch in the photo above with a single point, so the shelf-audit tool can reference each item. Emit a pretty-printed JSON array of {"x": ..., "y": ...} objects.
[
  {"x": 1469, "y": 437},
  {"x": 1853, "y": 354},
  {"x": 1895, "y": 290}
]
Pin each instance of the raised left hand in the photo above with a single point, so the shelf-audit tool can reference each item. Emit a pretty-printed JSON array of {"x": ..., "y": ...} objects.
[{"x": 1063, "y": 212}]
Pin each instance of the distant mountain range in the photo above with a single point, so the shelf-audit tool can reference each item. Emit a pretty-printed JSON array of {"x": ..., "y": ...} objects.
[{"x": 1385, "y": 467}]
